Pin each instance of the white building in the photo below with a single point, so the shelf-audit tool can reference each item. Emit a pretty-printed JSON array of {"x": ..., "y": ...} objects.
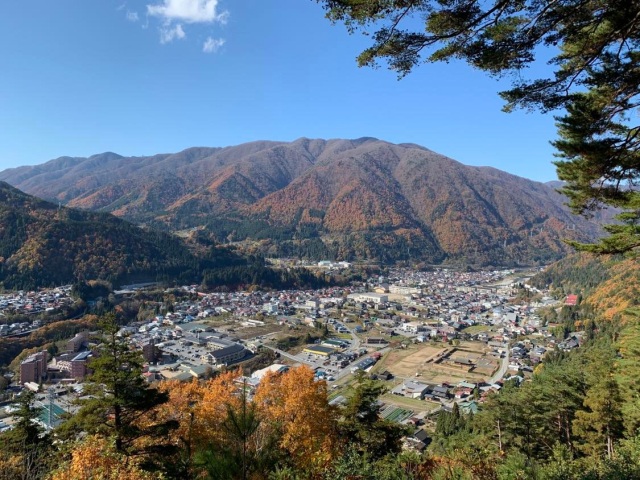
[
  {"x": 377, "y": 298},
  {"x": 403, "y": 290}
]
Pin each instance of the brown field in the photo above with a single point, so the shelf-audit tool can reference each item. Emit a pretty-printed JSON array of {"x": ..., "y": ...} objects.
[
  {"x": 250, "y": 332},
  {"x": 406, "y": 362},
  {"x": 474, "y": 347},
  {"x": 464, "y": 357},
  {"x": 419, "y": 359}
]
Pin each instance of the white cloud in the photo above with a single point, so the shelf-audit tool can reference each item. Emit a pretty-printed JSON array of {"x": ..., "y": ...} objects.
[
  {"x": 168, "y": 34},
  {"x": 189, "y": 11},
  {"x": 212, "y": 45},
  {"x": 132, "y": 16}
]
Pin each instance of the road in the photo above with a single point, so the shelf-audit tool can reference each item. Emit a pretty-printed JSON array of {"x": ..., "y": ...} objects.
[
  {"x": 295, "y": 358},
  {"x": 347, "y": 370},
  {"x": 356, "y": 340},
  {"x": 504, "y": 366}
]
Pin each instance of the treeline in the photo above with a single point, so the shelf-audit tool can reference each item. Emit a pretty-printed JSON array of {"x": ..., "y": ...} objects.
[
  {"x": 580, "y": 272},
  {"x": 243, "y": 276}
]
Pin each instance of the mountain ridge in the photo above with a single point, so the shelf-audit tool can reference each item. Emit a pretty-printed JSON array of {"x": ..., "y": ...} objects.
[{"x": 349, "y": 199}]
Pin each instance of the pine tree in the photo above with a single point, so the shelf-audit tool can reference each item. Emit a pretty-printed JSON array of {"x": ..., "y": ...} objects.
[
  {"x": 362, "y": 426},
  {"x": 25, "y": 448},
  {"x": 120, "y": 398},
  {"x": 600, "y": 425},
  {"x": 595, "y": 56}
]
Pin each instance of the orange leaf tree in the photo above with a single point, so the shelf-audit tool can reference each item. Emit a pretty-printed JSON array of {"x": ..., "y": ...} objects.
[{"x": 294, "y": 406}]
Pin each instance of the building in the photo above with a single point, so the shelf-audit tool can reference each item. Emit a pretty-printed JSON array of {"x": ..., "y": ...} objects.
[
  {"x": 149, "y": 351},
  {"x": 226, "y": 355},
  {"x": 76, "y": 343},
  {"x": 376, "y": 298},
  {"x": 403, "y": 290},
  {"x": 319, "y": 350},
  {"x": 571, "y": 300},
  {"x": 275, "y": 368},
  {"x": 376, "y": 341},
  {"x": 34, "y": 368},
  {"x": 411, "y": 389},
  {"x": 270, "y": 308},
  {"x": 412, "y": 327},
  {"x": 79, "y": 363}
]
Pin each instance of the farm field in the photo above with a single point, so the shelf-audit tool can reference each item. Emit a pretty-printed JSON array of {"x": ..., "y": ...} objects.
[
  {"x": 406, "y": 362},
  {"x": 409, "y": 403},
  {"x": 418, "y": 362}
]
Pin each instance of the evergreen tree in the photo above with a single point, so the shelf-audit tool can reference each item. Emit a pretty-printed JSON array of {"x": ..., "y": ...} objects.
[
  {"x": 362, "y": 426},
  {"x": 118, "y": 398},
  {"x": 25, "y": 448},
  {"x": 595, "y": 55},
  {"x": 600, "y": 426}
]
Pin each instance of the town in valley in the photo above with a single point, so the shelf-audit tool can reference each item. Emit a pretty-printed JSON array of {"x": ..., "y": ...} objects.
[{"x": 436, "y": 338}]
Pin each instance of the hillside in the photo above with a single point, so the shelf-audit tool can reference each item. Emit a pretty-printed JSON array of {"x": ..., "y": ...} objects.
[
  {"x": 42, "y": 244},
  {"x": 343, "y": 199},
  {"x": 609, "y": 284}
]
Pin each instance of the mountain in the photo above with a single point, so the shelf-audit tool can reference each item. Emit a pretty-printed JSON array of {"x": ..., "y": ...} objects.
[
  {"x": 43, "y": 244},
  {"x": 343, "y": 199}
]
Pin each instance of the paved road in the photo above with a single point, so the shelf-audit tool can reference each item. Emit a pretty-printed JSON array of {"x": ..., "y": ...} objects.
[
  {"x": 504, "y": 366},
  {"x": 347, "y": 370},
  {"x": 355, "y": 345},
  {"x": 295, "y": 358}
]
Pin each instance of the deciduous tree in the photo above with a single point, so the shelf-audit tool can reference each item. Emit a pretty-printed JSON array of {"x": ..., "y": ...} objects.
[{"x": 295, "y": 407}]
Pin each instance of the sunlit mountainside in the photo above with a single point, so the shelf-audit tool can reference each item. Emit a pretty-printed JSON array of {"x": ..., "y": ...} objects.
[{"x": 343, "y": 199}]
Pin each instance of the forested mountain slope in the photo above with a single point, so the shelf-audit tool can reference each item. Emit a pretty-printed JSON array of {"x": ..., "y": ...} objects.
[
  {"x": 43, "y": 244},
  {"x": 343, "y": 199}
]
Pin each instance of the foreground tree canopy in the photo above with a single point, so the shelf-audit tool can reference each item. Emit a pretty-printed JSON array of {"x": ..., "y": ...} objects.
[{"x": 594, "y": 79}]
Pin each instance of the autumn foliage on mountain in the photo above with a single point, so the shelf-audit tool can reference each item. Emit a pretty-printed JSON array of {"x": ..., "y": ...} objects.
[
  {"x": 44, "y": 244},
  {"x": 342, "y": 199}
]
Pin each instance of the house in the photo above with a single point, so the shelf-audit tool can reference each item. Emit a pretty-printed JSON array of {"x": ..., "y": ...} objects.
[
  {"x": 411, "y": 389},
  {"x": 386, "y": 375},
  {"x": 417, "y": 442},
  {"x": 412, "y": 327},
  {"x": 440, "y": 392},
  {"x": 569, "y": 344}
]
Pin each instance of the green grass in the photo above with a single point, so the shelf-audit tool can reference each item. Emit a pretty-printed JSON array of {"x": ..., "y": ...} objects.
[
  {"x": 411, "y": 403},
  {"x": 473, "y": 329}
]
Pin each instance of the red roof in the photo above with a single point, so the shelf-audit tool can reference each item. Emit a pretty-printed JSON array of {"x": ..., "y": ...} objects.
[{"x": 571, "y": 300}]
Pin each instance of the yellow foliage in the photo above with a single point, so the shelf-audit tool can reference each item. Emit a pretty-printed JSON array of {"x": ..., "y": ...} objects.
[
  {"x": 97, "y": 459},
  {"x": 10, "y": 467},
  {"x": 296, "y": 404}
]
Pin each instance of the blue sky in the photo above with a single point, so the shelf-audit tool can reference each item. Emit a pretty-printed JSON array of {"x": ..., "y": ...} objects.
[{"x": 81, "y": 77}]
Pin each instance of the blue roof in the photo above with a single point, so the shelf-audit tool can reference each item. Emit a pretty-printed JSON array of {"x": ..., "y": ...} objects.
[{"x": 81, "y": 356}]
